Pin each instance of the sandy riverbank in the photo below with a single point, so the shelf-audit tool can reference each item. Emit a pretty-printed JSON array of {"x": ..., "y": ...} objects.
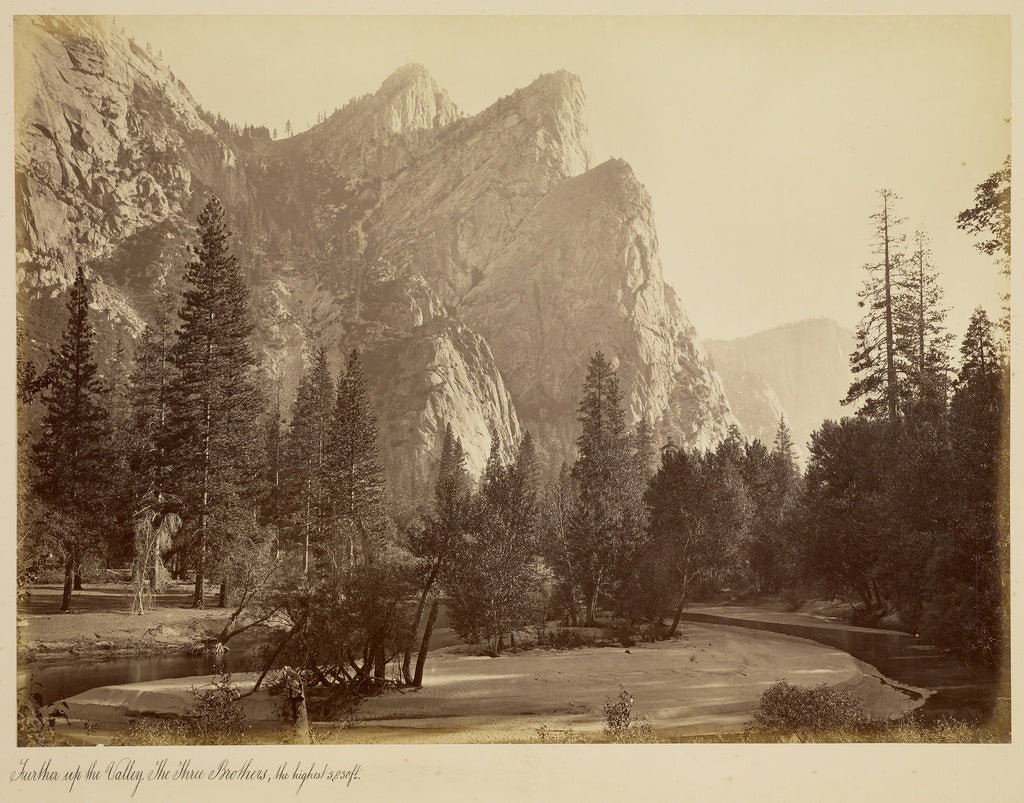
[{"x": 708, "y": 680}]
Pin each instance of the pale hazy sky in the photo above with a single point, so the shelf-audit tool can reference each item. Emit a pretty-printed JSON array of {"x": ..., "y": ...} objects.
[{"x": 762, "y": 140}]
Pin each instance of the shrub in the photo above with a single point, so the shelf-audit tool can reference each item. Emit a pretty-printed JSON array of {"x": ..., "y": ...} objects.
[
  {"x": 619, "y": 724},
  {"x": 214, "y": 718},
  {"x": 554, "y": 736},
  {"x": 621, "y": 631},
  {"x": 36, "y": 721},
  {"x": 796, "y": 709},
  {"x": 567, "y": 638}
]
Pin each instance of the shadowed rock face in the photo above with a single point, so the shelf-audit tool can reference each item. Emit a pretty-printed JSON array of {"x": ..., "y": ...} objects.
[
  {"x": 802, "y": 369},
  {"x": 457, "y": 253}
]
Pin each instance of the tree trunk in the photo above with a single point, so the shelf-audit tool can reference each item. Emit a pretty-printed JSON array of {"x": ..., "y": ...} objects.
[
  {"x": 675, "y": 620},
  {"x": 591, "y": 620},
  {"x": 198, "y": 601},
  {"x": 679, "y": 610},
  {"x": 222, "y": 601},
  {"x": 300, "y": 716},
  {"x": 890, "y": 342},
  {"x": 154, "y": 570},
  {"x": 421, "y": 659},
  {"x": 380, "y": 663},
  {"x": 407, "y": 659},
  {"x": 78, "y": 579},
  {"x": 69, "y": 583},
  {"x": 305, "y": 551}
]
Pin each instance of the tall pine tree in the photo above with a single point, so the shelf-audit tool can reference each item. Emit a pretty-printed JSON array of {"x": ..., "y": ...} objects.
[
  {"x": 214, "y": 400},
  {"x": 71, "y": 459},
  {"x": 922, "y": 335},
  {"x": 148, "y": 389},
  {"x": 493, "y": 587},
  {"x": 876, "y": 361},
  {"x": 437, "y": 542},
  {"x": 359, "y": 502},
  {"x": 611, "y": 519},
  {"x": 308, "y": 481},
  {"x": 989, "y": 219}
]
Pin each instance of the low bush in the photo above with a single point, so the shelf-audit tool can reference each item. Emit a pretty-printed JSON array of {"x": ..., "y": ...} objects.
[
  {"x": 36, "y": 721},
  {"x": 787, "y": 708},
  {"x": 567, "y": 638},
  {"x": 548, "y": 735},
  {"x": 214, "y": 718},
  {"x": 619, "y": 724},
  {"x": 621, "y": 632}
]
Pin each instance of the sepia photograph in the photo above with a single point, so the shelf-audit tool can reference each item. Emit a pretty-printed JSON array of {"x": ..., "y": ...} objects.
[{"x": 541, "y": 380}]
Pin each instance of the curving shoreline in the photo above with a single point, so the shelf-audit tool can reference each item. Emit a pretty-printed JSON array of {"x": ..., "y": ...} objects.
[{"x": 707, "y": 681}]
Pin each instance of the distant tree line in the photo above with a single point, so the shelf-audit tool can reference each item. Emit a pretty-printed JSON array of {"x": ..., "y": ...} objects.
[{"x": 233, "y": 132}]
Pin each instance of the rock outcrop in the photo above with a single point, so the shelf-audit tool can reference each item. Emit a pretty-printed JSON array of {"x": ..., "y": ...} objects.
[
  {"x": 805, "y": 365},
  {"x": 582, "y": 274},
  {"x": 450, "y": 213},
  {"x": 378, "y": 134}
]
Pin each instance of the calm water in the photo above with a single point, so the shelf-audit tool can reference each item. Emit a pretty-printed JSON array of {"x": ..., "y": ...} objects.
[{"x": 59, "y": 682}]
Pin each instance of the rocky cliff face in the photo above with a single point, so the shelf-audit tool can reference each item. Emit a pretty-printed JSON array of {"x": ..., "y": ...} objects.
[
  {"x": 457, "y": 253},
  {"x": 108, "y": 143},
  {"x": 451, "y": 212},
  {"x": 582, "y": 274},
  {"x": 802, "y": 367},
  {"x": 113, "y": 161}
]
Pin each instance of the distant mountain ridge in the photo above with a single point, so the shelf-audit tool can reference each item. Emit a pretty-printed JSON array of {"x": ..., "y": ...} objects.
[{"x": 798, "y": 369}]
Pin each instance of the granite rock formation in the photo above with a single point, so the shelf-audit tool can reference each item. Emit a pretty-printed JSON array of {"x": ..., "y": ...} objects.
[{"x": 478, "y": 262}]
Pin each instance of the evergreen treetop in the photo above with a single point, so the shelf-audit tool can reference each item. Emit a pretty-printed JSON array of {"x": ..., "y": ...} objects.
[
  {"x": 214, "y": 401},
  {"x": 70, "y": 452},
  {"x": 359, "y": 476}
]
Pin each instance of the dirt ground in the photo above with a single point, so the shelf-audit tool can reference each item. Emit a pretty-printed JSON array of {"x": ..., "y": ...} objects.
[{"x": 101, "y": 625}]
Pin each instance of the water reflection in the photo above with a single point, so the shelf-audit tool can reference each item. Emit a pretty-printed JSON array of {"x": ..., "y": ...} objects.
[{"x": 61, "y": 682}]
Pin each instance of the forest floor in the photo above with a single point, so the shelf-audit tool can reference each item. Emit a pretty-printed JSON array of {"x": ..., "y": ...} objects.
[{"x": 101, "y": 625}]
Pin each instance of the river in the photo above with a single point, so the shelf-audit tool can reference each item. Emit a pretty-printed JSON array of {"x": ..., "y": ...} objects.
[
  {"x": 60, "y": 682},
  {"x": 959, "y": 691}
]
